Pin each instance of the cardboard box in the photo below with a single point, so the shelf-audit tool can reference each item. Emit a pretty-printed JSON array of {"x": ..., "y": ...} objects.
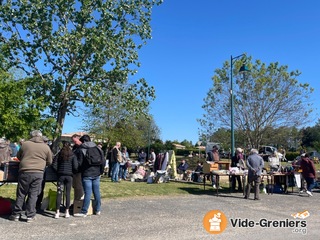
[
  {"x": 210, "y": 166},
  {"x": 77, "y": 205}
]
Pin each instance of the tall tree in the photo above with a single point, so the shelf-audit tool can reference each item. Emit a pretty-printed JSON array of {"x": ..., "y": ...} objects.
[
  {"x": 79, "y": 50},
  {"x": 112, "y": 123},
  {"x": 269, "y": 96},
  {"x": 20, "y": 108},
  {"x": 311, "y": 137}
]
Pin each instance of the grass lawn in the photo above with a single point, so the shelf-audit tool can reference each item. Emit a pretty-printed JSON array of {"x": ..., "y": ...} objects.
[
  {"x": 128, "y": 189},
  {"x": 139, "y": 189}
]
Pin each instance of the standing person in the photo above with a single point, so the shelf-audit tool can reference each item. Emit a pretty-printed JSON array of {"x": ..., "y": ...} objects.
[
  {"x": 43, "y": 184},
  {"x": 152, "y": 157},
  {"x": 34, "y": 156},
  {"x": 5, "y": 151},
  {"x": 123, "y": 171},
  {"x": 235, "y": 163},
  {"x": 115, "y": 160},
  {"x": 255, "y": 164},
  {"x": 213, "y": 156},
  {"x": 65, "y": 163},
  {"x": 91, "y": 166},
  {"x": 308, "y": 172},
  {"x": 77, "y": 181}
]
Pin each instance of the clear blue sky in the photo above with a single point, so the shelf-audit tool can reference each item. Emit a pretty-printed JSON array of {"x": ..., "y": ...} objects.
[{"x": 193, "y": 38}]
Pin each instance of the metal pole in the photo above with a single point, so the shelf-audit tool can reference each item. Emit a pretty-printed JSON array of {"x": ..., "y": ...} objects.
[
  {"x": 232, "y": 114},
  {"x": 232, "y": 103}
]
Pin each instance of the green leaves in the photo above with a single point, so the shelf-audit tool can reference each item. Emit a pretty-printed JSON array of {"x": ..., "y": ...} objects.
[
  {"x": 267, "y": 97},
  {"x": 79, "y": 49}
]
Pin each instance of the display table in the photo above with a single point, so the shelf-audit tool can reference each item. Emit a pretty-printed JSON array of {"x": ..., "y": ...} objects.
[
  {"x": 272, "y": 179},
  {"x": 10, "y": 173},
  {"x": 218, "y": 174}
]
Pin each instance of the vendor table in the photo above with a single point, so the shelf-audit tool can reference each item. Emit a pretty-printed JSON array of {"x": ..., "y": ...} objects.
[
  {"x": 272, "y": 179},
  {"x": 10, "y": 171}
]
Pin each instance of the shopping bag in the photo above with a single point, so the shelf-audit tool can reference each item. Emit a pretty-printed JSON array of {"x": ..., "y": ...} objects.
[
  {"x": 52, "y": 195},
  {"x": 5, "y": 206}
]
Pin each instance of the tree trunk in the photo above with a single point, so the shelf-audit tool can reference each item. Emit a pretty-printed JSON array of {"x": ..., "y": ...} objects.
[{"x": 60, "y": 121}]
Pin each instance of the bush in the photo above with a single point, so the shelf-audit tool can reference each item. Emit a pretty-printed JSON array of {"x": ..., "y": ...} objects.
[{"x": 290, "y": 156}]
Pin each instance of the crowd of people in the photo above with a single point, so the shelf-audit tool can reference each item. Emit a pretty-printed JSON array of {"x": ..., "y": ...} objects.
[
  {"x": 80, "y": 166},
  {"x": 254, "y": 165}
]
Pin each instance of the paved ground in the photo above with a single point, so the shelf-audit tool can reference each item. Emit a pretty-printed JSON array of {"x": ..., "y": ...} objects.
[{"x": 175, "y": 218}]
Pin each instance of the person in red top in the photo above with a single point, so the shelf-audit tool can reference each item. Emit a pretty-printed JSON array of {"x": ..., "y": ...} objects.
[{"x": 308, "y": 172}]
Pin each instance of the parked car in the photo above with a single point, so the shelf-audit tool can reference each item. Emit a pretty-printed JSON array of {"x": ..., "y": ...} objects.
[
  {"x": 314, "y": 155},
  {"x": 268, "y": 150}
]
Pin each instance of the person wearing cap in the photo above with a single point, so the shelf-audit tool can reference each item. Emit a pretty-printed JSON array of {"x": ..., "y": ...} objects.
[
  {"x": 235, "y": 163},
  {"x": 255, "y": 164},
  {"x": 308, "y": 172}
]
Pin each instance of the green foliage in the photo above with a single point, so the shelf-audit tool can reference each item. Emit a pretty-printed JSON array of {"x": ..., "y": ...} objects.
[
  {"x": 113, "y": 123},
  {"x": 266, "y": 98},
  {"x": 79, "y": 50},
  {"x": 290, "y": 156},
  {"x": 20, "y": 111},
  {"x": 186, "y": 143},
  {"x": 311, "y": 137}
]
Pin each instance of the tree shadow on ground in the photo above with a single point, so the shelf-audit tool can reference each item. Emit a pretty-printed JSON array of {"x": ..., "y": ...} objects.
[{"x": 224, "y": 192}]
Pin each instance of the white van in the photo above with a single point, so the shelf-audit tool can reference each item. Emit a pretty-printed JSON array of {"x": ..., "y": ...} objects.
[{"x": 268, "y": 150}]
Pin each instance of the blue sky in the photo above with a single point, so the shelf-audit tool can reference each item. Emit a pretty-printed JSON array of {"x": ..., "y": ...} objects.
[{"x": 190, "y": 39}]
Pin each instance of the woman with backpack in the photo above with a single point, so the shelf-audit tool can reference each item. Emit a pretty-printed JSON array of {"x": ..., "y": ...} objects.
[{"x": 65, "y": 163}]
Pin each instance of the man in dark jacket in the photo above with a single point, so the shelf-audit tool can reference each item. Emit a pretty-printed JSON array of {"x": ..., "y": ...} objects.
[
  {"x": 90, "y": 176},
  {"x": 77, "y": 181},
  {"x": 34, "y": 156},
  {"x": 308, "y": 172}
]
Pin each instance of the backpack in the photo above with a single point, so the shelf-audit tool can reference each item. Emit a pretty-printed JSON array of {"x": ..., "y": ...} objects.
[{"x": 94, "y": 156}]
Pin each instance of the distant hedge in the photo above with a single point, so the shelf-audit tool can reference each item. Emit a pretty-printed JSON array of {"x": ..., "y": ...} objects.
[{"x": 290, "y": 156}]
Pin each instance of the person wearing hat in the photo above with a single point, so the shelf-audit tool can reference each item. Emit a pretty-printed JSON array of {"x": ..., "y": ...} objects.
[{"x": 238, "y": 156}]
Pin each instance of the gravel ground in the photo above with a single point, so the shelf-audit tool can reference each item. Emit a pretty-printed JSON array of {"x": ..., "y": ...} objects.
[{"x": 178, "y": 217}]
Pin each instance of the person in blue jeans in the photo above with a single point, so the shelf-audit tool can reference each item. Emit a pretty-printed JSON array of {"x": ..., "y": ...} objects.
[
  {"x": 123, "y": 172},
  {"x": 90, "y": 174},
  {"x": 115, "y": 159},
  {"x": 308, "y": 172}
]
